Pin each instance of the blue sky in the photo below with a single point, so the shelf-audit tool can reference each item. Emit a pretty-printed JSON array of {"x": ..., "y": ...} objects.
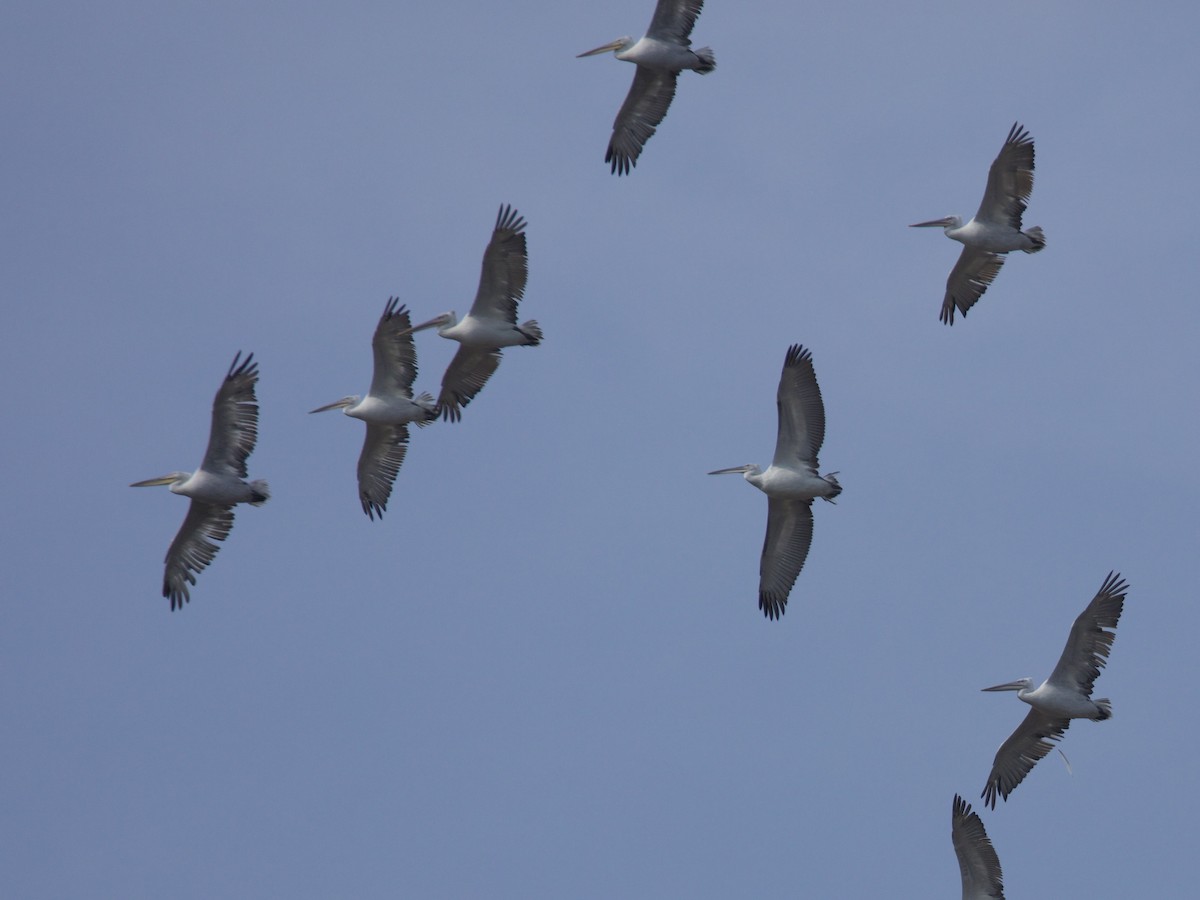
[{"x": 544, "y": 672}]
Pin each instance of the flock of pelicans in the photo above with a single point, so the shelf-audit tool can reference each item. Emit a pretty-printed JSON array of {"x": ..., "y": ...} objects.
[{"x": 791, "y": 482}]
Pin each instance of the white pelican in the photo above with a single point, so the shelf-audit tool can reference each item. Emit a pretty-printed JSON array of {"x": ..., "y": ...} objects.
[
  {"x": 1064, "y": 696},
  {"x": 996, "y": 228},
  {"x": 977, "y": 860},
  {"x": 492, "y": 322},
  {"x": 661, "y": 55},
  {"x": 791, "y": 482},
  {"x": 387, "y": 409},
  {"x": 218, "y": 485}
]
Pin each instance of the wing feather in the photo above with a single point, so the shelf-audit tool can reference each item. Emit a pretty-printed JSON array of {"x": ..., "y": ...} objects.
[
  {"x": 505, "y": 269},
  {"x": 465, "y": 377},
  {"x": 1032, "y": 740},
  {"x": 970, "y": 277},
  {"x": 789, "y": 535},
  {"x": 674, "y": 20},
  {"x": 1089, "y": 643},
  {"x": 642, "y": 112},
  {"x": 193, "y": 548},
  {"x": 801, "y": 411},
  {"x": 383, "y": 452},
  {"x": 1010, "y": 181},
  {"x": 395, "y": 352},
  {"x": 234, "y": 429},
  {"x": 977, "y": 860}
]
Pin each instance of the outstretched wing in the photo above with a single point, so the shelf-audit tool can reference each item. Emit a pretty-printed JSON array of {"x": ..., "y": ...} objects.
[
  {"x": 977, "y": 860},
  {"x": 1030, "y": 742},
  {"x": 674, "y": 20},
  {"x": 644, "y": 109},
  {"x": 505, "y": 269},
  {"x": 969, "y": 278},
  {"x": 395, "y": 353},
  {"x": 465, "y": 377},
  {"x": 801, "y": 411},
  {"x": 234, "y": 420},
  {"x": 1010, "y": 181},
  {"x": 193, "y": 548},
  {"x": 384, "y": 448},
  {"x": 789, "y": 535},
  {"x": 1089, "y": 643}
]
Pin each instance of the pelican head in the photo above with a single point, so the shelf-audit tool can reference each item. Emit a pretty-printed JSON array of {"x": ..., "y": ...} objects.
[
  {"x": 748, "y": 469},
  {"x": 619, "y": 44},
  {"x": 174, "y": 479},
  {"x": 344, "y": 403},
  {"x": 1021, "y": 684},
  {"x": 944, "y": 222},
  {"x": 445, "y": 320}
]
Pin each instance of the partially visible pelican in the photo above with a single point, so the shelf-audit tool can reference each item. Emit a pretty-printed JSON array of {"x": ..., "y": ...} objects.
[
  {"x": 977, "y": 860},
  {"x": 1065, "y": 695},
  {"x": 218, "y": 485},
  {"x": 791, "y": 482},
  {"x": 492, "y": 322},
  {"x": 996, "y": 228},
  {"x": 661, "y": 55},
  {"x": 387, "y": 409}
]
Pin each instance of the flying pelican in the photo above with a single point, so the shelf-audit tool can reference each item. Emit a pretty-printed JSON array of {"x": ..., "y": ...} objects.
[
  {"x": 977, "y": 860},
  {"x": 661, "y": 55},
  {"x": 996, "y": 228},
  {"x": 791, "y": 481},
  {"x": 218, "y": 485},
  {"x": 492, "y": 322},
  {"x": 387, "y": 409},
  {"x": 1064, "y": 696}
]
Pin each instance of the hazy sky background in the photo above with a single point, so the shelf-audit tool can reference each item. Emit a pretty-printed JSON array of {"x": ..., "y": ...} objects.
[{"x": 544, "y": 673}]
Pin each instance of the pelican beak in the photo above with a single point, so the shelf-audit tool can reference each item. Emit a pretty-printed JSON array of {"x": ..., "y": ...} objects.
[
  {"x": 611, "y": 45},
  {"x": 1007, "y": 686},
  {"x": 337, "y": 404},
  {"x": 153, "y": 482},
  {"x": 733, "y": 470},
  {"x": 432, "y": 323},
  {"x": 935, "y": 223}
]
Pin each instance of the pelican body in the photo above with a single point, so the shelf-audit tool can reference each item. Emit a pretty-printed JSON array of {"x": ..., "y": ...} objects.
[
  {"x": 978, "y": 863},
  {"x": 1065, "y": 695},
  {"x": 996, "y": 228},
  {"x": 218, "y": 485},
  {"x": 791, "y": 482},
  {"x": 387, "y": 408},
  {"x": 660, "y": 55},
  {"x": 492, "y": 322}
]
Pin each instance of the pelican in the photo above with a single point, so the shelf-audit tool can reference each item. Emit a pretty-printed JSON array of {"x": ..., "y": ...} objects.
[
  {"x": 661, "y": 55},
  {"x": 1064, "y": 696},
  {"x": 218, "y": 485},
  {"x": 387, "y": 409},
  {"x": 996, "y": 228},
  {"x": 791, "y": 482},
  {"x": 492, "y": 322},
  {"x": 977, "y": 860}
]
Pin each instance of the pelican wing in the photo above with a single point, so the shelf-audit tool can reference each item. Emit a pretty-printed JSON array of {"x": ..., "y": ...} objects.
[
  {"x": 193, "y": 548},
  {"x": 969, "y": 278},
  {"x": 801, "y": 411},
  {"x": 465, "y": 377},
  {"x": 378, "y": 465},
  {"x": 505, "y": 269},
  {"x": 395, "y": 353},
  {"x": 234, "y": 420},
  {"x": 1010, "y": 181},
  {"x": 1088, "y": 644},
  {"x": 674, "y": 20},
  {"x": 977, "y": 860},
  {"x": 789, "y": 535},
  {"x": 1030, "y": 742},
  {"x": 644, "y": 108}
]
